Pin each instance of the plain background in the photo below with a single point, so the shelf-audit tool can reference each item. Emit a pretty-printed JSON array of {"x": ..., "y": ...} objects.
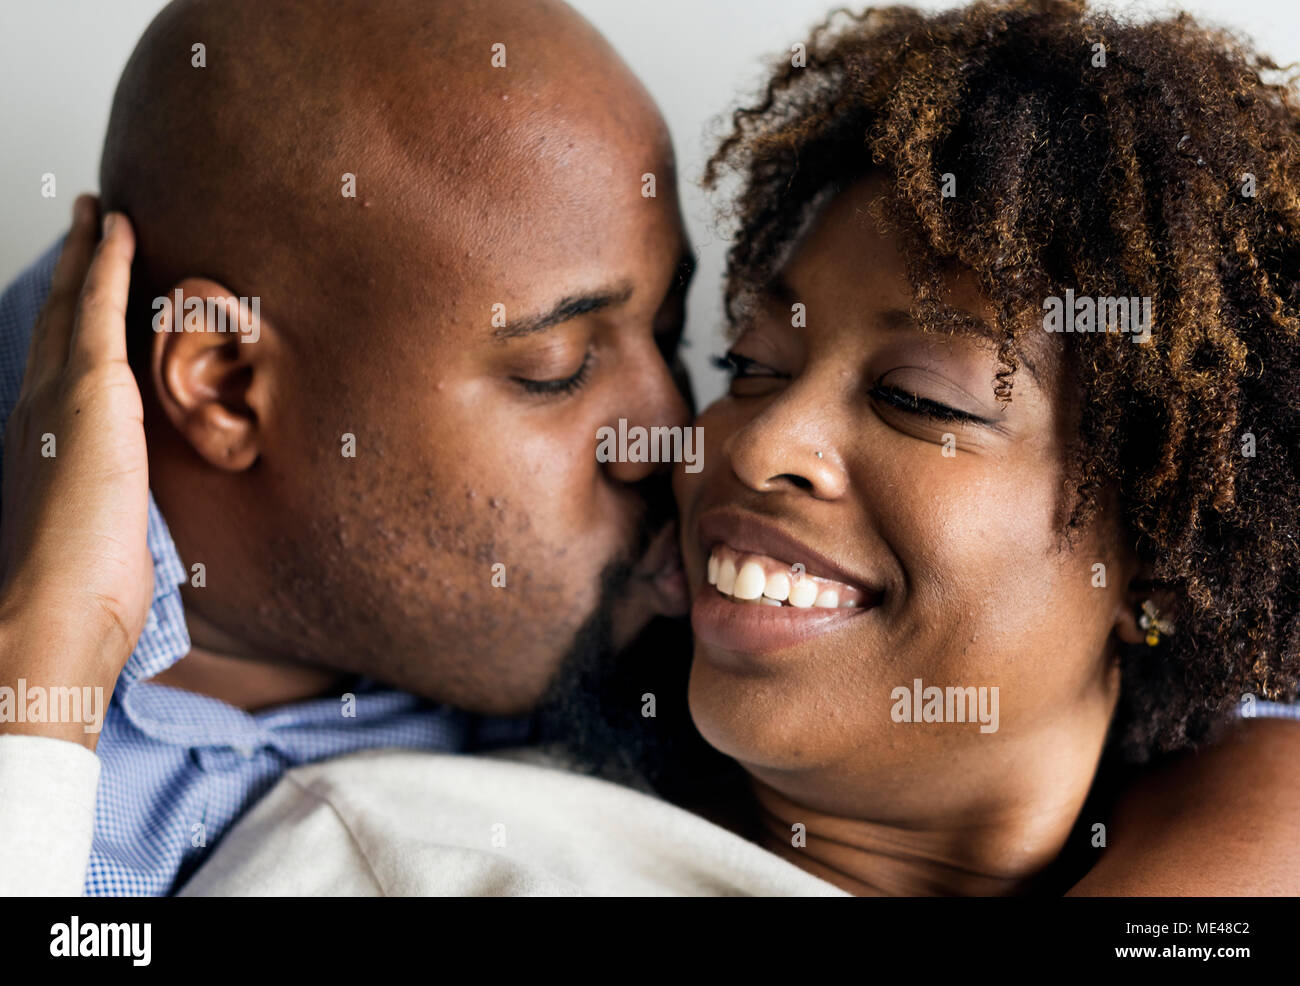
[{"x": 60, "y": 59}]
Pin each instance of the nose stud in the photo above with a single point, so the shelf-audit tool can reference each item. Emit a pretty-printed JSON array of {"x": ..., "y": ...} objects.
[{"x": 819, "y": 455}]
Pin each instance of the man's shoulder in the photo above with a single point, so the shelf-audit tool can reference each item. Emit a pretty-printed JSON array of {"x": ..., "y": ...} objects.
[
  {"x": 20, "y": 304},
  {"x": 21, "y": 300}
]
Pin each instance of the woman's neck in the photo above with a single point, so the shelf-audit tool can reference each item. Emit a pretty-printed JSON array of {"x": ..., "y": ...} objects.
[{"x": 999, "y": 847}]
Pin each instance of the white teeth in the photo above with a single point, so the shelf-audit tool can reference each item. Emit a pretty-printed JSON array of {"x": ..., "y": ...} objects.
[
  {"x": 828, "y": 599},
  {"x": 777, "y": 586},
  {"x": 751, "y": 584},
  {"x": 749, "y": 581},
  {"x": 727, "y": 576},
  {"x": 803, "y": 593}
]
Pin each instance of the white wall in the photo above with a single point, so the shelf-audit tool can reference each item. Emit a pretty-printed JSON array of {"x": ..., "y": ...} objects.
[{"x": 60, "y": 59}]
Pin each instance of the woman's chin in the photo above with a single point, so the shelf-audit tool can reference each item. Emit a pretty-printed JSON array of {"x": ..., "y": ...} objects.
[
  {"x": 754, "y": 686},
  {"x": 759, "y": 720}
]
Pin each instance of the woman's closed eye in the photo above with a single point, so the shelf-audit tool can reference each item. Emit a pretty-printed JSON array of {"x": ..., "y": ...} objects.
[
  {"x": 925, "y": 407},
  {"x": 742, "y": 366},
  {"x": 749, "y": 377}
]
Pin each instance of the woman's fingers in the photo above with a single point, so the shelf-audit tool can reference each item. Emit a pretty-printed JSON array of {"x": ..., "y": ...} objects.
[
  {"x": 83, "y": 317},
  {"x": 48, "y": 350},
  {"x": 99, "y": 334}
]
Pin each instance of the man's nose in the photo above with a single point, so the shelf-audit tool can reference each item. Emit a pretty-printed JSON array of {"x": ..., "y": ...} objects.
[{"x": 654, "y": 398}]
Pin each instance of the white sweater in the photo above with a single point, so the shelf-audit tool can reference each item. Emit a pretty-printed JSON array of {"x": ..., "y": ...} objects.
[
  {"x": 405, "y": 823},
  {"x": 47, "y": 815},
  {"x": 388, "y": 822}
]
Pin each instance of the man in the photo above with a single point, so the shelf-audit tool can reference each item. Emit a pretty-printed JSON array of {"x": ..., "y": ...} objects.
[{"x": 395, "y": 479}]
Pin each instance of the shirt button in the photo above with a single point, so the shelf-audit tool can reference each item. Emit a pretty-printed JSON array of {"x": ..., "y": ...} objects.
[{"x": 246, "y": 752}]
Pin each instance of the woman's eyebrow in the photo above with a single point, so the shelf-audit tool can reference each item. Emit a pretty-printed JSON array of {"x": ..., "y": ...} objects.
[
  {"x": 960, "y": 321},
  {"x": 777, "y": 291},
  {"x": 949, "y": 317}
]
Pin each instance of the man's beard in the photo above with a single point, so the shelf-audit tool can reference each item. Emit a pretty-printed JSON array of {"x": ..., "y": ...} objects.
[{"x": 596, "y": 708}]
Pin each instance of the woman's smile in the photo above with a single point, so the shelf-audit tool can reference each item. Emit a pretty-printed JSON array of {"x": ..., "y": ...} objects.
[{"x": 765, "y": 590}]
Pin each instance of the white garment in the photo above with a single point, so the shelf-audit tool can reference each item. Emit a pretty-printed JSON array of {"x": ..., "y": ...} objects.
[
  {"x": 47, "y": 815},
  {"x": 387, "y": 822}
]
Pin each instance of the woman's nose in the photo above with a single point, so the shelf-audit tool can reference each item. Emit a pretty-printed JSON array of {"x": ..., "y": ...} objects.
[{"x": 787, "y": 447}]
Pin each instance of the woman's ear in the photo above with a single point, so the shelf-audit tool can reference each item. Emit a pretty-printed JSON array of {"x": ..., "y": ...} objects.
[
  {"x": 209, "y": 347},
  {"x": 1160, "y": 602}
]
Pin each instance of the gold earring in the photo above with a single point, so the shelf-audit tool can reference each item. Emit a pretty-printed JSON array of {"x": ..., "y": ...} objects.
[{"x": 1150, "y": 621}]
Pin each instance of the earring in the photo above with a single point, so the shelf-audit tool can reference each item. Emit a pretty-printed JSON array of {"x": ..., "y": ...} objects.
[{"x": 1150, "y": 621}]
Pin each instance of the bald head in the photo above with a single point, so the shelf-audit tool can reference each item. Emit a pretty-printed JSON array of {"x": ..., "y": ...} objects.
[{"x": 236, "y": 169}]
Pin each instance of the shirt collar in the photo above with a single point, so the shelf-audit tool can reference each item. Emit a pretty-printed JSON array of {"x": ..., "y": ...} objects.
[{"x": 165, "y": 639}]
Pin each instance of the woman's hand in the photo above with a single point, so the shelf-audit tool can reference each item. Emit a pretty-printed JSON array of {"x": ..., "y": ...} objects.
[{"x": 77, "y": 572}]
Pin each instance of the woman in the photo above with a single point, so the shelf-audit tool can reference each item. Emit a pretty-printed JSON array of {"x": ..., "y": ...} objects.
[{"x": 1083, "y": 524}]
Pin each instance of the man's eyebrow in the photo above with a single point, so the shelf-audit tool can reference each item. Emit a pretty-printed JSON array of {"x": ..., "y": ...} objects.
[{"x": 564, "y": 310}]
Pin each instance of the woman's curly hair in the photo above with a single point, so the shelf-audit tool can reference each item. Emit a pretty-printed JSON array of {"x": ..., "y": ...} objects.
[{"x": 1121, "y": 159}]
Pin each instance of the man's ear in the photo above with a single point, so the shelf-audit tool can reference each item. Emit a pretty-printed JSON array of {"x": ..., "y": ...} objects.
[{"x": 209, "y": 349}]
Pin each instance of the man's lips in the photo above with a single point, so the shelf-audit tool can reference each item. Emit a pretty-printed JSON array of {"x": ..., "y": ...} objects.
[{"x": 660, "y": 570}]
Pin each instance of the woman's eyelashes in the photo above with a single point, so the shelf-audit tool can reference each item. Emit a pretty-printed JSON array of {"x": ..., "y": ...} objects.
[
  {"x": 561, "y": 386},
  {"x": 912, "y": 403},
  {"x": 741, "y": 367}
]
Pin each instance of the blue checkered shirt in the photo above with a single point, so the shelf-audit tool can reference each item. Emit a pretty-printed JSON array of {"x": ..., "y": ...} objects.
[{"x": 178, "y": 768}]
